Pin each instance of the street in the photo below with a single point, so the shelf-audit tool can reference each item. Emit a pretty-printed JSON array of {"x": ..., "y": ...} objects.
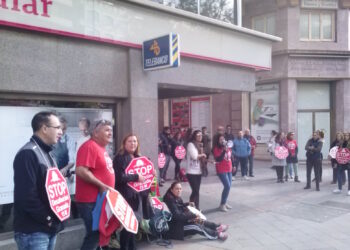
[{"x": 270, "y": 215}]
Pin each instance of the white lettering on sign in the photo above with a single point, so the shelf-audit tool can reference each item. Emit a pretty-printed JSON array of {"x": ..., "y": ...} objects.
[
  {"x": 63, "y": 207},
  {"x": 143, "y": 170},
  {"x": 57, "y": 189},
  {"x": 33, "y": 8},
  {"x": 157, "y": 61}
]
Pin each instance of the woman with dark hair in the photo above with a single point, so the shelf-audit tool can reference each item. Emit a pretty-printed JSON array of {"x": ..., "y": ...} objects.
[
  {"x": 184, "y": 222},
  {"x": 175, "y": 142},
  {"x": 193, "y": 171},
  {"x": 223, "y": 158},
  {"x": 130, "y": 149},
  {"x": 277, "y": 163}
]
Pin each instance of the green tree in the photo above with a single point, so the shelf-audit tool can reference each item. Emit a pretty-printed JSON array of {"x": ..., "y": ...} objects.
[
  {"x": 217, "y": 9},
  {"x": 188, "y": 5}
]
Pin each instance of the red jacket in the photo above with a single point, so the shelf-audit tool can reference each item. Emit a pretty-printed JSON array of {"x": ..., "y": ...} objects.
[
  {"x": 223, "y": 159},
  {"x": 252, "y": 142}
]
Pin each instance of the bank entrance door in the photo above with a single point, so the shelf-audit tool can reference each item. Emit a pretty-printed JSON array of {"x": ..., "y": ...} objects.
[{"x": 313, "y": 114}]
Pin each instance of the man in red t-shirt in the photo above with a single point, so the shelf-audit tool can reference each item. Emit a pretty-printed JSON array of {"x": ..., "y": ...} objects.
[{"x": 95, "y": 174}]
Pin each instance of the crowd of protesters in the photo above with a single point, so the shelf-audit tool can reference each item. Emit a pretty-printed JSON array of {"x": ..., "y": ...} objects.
[{"x": 96, "y": 173}]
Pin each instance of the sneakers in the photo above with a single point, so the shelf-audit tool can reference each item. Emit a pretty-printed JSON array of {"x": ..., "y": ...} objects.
[
  {"x": 222, "y": 236},
  {"x": 228, "y": 206},
  {"x": 233, "y": 178},
  {"x": 222, "y": 228},
  {"x": 336, "y": 191},
  {"x": 223, "y": 208},
  {"x": 349, "y": 192},
  {"x": 246, "y": 178},
  {"x": 307, "y": 187}
]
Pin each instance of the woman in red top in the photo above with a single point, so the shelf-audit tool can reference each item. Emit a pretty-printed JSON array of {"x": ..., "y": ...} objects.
[{"x": 223, "y": 158}]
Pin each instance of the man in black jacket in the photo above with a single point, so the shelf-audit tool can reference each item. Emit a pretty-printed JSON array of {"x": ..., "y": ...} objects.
[{"x": 35, "y": 224}]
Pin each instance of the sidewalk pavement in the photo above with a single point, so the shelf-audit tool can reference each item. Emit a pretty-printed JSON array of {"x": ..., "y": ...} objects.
[{"x": 269, "y": 215}]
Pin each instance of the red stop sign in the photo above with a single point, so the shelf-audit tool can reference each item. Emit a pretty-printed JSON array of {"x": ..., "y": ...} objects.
[
  {"x": 343, "y": 156},
  {"x": 57, "y": 192},
  {"x": 122, "y": 210},
  {"x": 156, "y": 203},
  {"x": 161, "y": 160},
  {"x": 281, "y": 152},
  {"x": 180, "y": 152},
  {"x": 144, "y": 167}
]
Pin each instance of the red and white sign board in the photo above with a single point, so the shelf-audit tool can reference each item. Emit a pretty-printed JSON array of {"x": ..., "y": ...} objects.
[
  {"x": 161, "y": 160},
  {"x": 281, "y": 152},
  {"x": 156, "y": 203},
  {"x": 333, "y": 152},
  {"x": 144, "y": 167},
  {"x": 57, "y": 192},
  {"x": 122, "y": 210},
  {"x": 343, "y": 156},
  {"x": 180, "y": 152}
]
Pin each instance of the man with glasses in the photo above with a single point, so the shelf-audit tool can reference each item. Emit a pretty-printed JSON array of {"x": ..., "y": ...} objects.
[
  {"x": 35, "y": 225},
  {"x": 95, "y": 174}
]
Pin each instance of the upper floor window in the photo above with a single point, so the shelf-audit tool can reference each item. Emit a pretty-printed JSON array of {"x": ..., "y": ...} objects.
[
  {"x": 317, "y": 25},
  {"x": 264, "y": 23}
]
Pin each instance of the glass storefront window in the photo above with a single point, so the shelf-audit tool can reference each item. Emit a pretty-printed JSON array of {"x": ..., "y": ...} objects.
[
  {"x": 19, "y": 114},
  {"x": 313, "y": 96}
]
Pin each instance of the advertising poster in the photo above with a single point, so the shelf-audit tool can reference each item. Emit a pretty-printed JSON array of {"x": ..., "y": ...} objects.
[
  {"x": 180, "y": 113},
  {"x": 264, "y": 103},
  {"x": 200, "y": 113},
  {"x": 17, "y": 131}
]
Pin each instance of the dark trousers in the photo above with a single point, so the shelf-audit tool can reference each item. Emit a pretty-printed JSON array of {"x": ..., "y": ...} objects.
[
  {"x": 127, "y": 240},
  {"x": 250, "y": 164},
  {"x": 340, "y": 173},
  {"x": 163, "y": 170},
  {"x": 195, "y": 183},
  {"x": 279, "y": 172},
  {"x": 207, "y": 229},
  {"x": 91, "y": 239},
  {"x": 242, "y": 161},
  {"x": 177, "y": 166},
  {"x": 316, "y": 165}
]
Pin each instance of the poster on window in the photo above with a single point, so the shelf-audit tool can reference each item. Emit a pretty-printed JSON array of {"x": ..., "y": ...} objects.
[
  {"x": 264, "y": 103},
  {"x": 17, "y": 131},
  {"x": 180, "y": 113},
  {"x": 200, "y": 113}
]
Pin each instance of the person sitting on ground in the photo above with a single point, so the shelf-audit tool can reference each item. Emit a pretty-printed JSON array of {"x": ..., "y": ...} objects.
[{"x": 184, "y": 222}]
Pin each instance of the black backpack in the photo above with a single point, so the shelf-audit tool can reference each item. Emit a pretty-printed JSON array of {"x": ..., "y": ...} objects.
[{"x": 159, "y": 226}]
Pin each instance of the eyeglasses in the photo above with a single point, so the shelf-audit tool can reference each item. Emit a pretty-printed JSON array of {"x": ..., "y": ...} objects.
[
  {"x": 55, "y": 127},
  {"x": 103, "y": 122}
]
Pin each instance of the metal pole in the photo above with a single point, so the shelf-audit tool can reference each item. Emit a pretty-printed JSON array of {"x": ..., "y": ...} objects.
[
  {"x": 198, "y": 7},
  {"x": 239, "y": 12}
]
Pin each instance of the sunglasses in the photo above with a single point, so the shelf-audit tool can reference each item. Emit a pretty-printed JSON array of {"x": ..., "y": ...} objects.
[{"x": 103, "y": 122}]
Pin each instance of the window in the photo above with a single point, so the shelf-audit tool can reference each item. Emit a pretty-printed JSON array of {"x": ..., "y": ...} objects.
[
  {"x": 264, "y": 23},
  {"x": 317, "y": 25}
]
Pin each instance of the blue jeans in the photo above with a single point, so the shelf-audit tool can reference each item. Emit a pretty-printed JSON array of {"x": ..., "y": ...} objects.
[
  {"x": 226, "y": 179},
  {"x": 341, "y": 172},
  {"x": 91, "y": 239},
  {"x": 35, "y": 241}
]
